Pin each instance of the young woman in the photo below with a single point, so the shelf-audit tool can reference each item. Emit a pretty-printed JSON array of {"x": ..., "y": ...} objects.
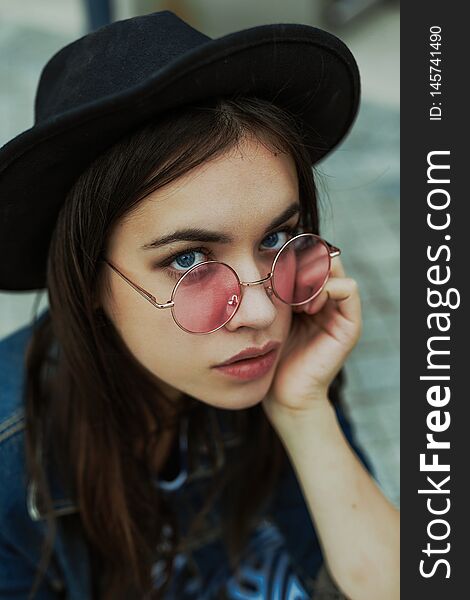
[{"x": 171, "y": 427}]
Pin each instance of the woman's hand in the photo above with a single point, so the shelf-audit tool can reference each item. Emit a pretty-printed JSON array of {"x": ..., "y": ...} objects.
[{"x": 323, "y": 333}]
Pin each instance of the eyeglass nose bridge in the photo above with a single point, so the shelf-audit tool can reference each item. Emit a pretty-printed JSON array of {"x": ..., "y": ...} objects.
[{"x": 258, "y": 282}]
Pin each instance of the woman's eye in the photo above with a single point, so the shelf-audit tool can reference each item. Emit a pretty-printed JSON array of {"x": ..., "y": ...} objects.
[
  {"x": 186, "y": 260},
  {"x": 275, "y": 241}
]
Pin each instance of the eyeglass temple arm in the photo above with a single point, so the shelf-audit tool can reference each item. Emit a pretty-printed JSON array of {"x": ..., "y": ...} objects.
[
  {"x": 141, "y": 291},
  {"x": 334, "y": 251}
]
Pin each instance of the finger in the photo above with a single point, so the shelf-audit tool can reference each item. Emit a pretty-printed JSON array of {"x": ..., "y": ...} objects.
[
  {"x": 337, "y": 268},
  {"x": 314, "y": 305},
  {"x": 345, "y": 292}
]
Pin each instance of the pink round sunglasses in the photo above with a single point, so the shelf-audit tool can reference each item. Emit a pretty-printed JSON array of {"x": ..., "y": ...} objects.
[{"x": 208, "y": 294}]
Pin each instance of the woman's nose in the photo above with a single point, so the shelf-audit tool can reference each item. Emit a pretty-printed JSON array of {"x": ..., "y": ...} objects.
[{"x": 256, "y": 307}]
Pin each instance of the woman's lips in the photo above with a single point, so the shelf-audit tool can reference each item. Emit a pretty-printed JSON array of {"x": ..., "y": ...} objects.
[{"x": 250, "y": 368}]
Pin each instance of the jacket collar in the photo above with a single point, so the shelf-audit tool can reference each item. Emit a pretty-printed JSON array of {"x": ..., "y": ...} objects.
[{"x": 61, "y": 505}]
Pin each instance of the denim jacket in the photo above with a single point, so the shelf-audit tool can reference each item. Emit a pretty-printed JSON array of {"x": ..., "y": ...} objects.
[{"x": 286, "y": 527}]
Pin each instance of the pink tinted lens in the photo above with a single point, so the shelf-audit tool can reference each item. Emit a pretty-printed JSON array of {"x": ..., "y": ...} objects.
[
  {"x": 206, "y": 297},
  {"x": 301, "y": 269}
]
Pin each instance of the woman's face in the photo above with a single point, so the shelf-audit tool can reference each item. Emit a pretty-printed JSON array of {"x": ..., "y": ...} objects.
[{"x": 239, "y": 194}]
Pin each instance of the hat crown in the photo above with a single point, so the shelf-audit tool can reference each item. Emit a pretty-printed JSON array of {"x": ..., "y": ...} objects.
[{"x": 114, "y": 58}]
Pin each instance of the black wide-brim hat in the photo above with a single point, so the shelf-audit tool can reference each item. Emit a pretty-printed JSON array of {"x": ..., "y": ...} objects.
[{"x": 102, "y": 86}]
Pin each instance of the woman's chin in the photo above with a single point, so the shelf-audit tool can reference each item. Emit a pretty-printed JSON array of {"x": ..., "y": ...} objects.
[{"x": 239, "y": 399}]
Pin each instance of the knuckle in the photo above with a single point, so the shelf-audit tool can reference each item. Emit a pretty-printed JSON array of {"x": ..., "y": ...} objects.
[{"x": 352, "y": 283}]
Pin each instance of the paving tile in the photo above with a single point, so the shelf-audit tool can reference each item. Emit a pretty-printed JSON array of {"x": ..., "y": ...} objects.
[
  {"x": 379, "y": 334},
  {"x": 376, "y": 372},
  {"x": 361, "y": 396},
  {"x": 388, "y": 476}
]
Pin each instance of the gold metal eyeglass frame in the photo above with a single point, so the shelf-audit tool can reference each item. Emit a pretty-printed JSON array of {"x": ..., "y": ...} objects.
[{"x": 332, "y": 252}]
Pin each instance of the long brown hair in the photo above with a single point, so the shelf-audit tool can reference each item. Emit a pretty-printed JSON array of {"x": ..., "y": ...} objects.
[{"x": 85, "y": 415}]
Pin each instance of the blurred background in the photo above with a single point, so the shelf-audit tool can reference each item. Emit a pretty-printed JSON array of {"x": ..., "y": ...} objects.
[{"x": 359, "y": 183}]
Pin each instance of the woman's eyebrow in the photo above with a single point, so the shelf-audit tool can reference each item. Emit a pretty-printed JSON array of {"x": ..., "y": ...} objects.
[{"x": 204, "y": 235}]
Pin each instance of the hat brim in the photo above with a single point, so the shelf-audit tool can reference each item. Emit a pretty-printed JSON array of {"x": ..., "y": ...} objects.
[{"x": 305, "y": 70}]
